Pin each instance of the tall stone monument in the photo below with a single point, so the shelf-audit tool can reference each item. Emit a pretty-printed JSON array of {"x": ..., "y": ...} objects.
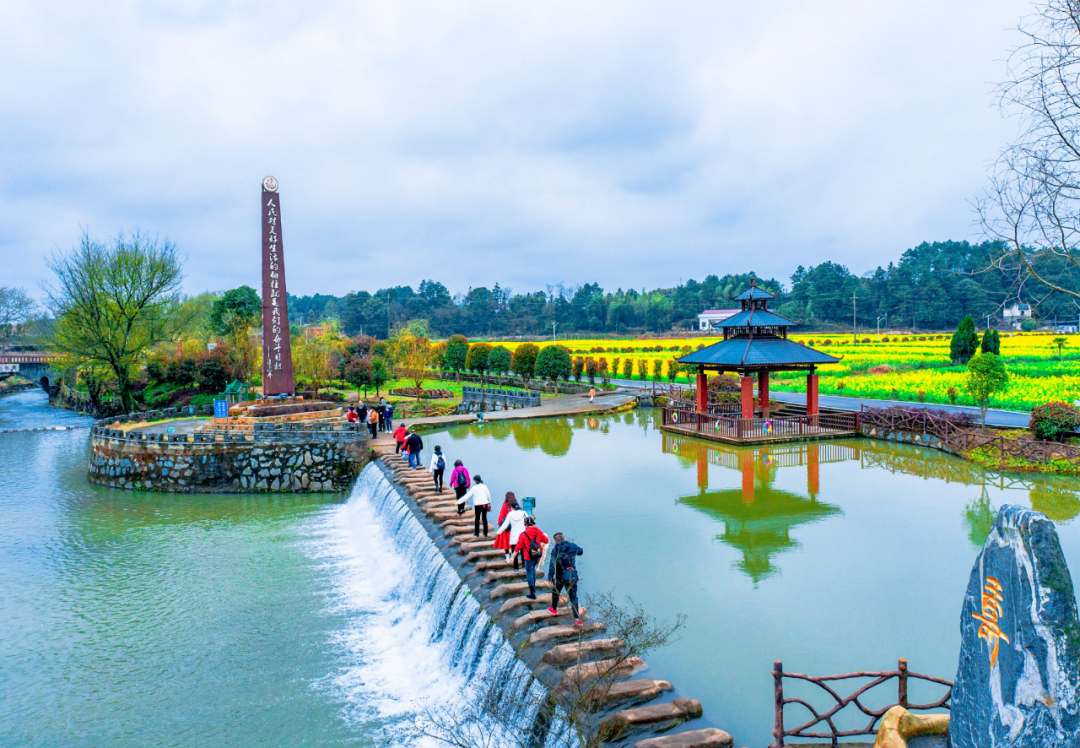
[
  {"x": 277, "y": 351},
  {"x": 1018, "y": 682}
]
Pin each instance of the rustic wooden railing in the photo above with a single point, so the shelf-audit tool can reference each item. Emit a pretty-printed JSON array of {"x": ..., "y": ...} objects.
[
  {"x": 758, "y": 428},
  {"x": 829, "y": 716},
  {"x": 965, "y": 438}
]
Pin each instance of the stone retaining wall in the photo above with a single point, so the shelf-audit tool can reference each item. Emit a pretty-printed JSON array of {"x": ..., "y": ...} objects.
[{"x": 188, "y": 467}]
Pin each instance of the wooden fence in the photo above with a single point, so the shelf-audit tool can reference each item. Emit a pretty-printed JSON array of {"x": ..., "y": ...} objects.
[
  {"x": 829, "y": 716},
  {"x": 730, "y": 427}
]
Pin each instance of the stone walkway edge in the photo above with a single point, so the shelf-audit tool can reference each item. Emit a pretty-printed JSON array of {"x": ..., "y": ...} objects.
[{"x": 551, "y": 646}]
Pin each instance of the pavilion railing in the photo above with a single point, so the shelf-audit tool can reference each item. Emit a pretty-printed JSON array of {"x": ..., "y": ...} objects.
[
  {"x": 830, "y": 715},
  {"x": 733, "y": 427}
]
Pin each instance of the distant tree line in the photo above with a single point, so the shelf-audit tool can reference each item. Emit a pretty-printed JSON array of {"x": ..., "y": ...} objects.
[{"x": 931, "y": 286}]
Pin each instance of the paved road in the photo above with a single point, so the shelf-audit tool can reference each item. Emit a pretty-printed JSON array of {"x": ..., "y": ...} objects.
[{"x": 998, "y": 418}]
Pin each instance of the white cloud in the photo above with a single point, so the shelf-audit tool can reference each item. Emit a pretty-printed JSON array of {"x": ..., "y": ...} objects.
[{"x": 629, "y": 143}]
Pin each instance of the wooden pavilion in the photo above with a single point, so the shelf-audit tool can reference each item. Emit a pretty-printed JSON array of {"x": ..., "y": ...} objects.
[{"x": 755, "y": 344}]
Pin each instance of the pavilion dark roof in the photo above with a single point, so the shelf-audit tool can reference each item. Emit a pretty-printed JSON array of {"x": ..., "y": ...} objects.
[
  {"x": 754, "y": 293},
  {"x": 760, "y": 351},
  {"x": 759, "y": 317}
]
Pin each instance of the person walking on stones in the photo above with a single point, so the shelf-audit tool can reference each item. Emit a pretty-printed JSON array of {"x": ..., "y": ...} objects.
[
  {"x": 381, "y": 410},
  {"x": 530, "y": 547},
  {"x": 515, "y": 523},
  {"x": 460, "y": 482},
  {"x": 389, "y": 415},
  {"x": 438, "y": 467},
  {"x": 373, "y": 422},
  {"x": 416, "y": 446},
  {"x": 399, "y": 436},
  {"x": 562, "y": 571},
  {"x": 502, "y": 539},
  {"x": 481, "y": 501}
]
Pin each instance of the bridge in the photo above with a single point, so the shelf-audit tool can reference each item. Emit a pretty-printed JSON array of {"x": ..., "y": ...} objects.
[{"x": 33, "y": 365}]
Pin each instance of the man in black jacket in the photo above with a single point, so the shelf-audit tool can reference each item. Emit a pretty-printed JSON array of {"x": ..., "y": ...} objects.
[
  {"x": 415, "y": 444},
  {"x": 562, "y": 571}
]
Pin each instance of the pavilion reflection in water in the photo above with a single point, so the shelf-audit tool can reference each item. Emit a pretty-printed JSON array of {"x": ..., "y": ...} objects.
[{"x": 758, "y": 518}]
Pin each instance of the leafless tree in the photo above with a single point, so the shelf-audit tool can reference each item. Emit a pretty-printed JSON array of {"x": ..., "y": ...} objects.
[
  {"x": 1033, "y": 203},
  {"x": 16, "y": 308},
  {"x": 519, "y": 713}
]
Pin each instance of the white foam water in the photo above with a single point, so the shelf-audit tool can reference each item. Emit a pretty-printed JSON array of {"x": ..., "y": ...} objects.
[{"x": 415, "y": 639}]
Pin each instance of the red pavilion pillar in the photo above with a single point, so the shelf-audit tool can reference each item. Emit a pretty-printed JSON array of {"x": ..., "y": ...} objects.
[
  {"x": 747, "y": 396},
  {"x": 812, "y": 395},
  {"x": 763, "y": 391},
  {"x": 702, "y": 391},
  {"x": 702, "y": 469},
  {"x": 813, "y": 472}
]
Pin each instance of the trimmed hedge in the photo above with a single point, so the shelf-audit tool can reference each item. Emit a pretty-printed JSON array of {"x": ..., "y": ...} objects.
[{"x": 1052, "y": 421}]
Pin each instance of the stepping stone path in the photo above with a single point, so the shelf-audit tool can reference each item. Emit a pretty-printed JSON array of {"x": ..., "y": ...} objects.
[{"x": 578, "y": 655}]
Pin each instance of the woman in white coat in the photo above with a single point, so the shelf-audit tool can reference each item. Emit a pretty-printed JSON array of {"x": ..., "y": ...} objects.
[{"x": 515, "y": 523}]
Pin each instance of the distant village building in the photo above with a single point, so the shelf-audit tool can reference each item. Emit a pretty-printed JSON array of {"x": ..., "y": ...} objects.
[
  {"x": 1016, "y": 314},
  {"x": 710, "y": 319}
]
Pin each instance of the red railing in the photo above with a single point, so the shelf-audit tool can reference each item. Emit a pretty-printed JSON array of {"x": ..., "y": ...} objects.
[
  {"x": 730, "y": 427},
  {"x": 901, "y": 674}
]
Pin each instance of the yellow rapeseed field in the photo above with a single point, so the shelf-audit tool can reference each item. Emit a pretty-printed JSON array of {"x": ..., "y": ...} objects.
[{"x": 919, "y": 368}]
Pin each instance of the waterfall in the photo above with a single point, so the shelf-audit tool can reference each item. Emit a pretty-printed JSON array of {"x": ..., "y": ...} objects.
[{"x": 416, "y": 638}]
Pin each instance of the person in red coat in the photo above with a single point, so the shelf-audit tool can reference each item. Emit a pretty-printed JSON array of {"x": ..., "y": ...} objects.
[
  {"x": 530, "y": 538},
  {"x": 502, "y": 540}
]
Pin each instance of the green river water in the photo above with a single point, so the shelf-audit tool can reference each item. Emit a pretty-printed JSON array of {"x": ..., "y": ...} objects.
[{"x": 132, "y": 619}]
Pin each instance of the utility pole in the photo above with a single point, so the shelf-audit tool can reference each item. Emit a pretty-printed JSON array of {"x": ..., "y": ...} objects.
[
  {"x": 553, "y": 332},
  {"x": 988, "y": 321},
  {"x": 854, "y": 330},
  {"x": 880, "y": 317}
]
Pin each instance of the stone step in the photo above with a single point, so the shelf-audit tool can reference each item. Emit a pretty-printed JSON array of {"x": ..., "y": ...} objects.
[
  {"x": 518, "y": 588},
  {"x": 659, "y": 716},
  {"x": 542, "y": 601},
  {"x": 495, "y": 565},
  {"x": 456, "y": 522},
  {"x": 611, "y": 669},
  {"x": 470, "y": 539},
  {"x": 641, "y": 689},
  {"x": 555, "y": 633},
  {"x": 483, "y": 553},
  {"x": 569, "y": 654},
  {"x": 466, "y": 548},
  {"x": 534, "y": 617},
  {"x": 710, "y": 737},
  {"x": 507, "y": 574},
  {"x": 451, "y": 531}
]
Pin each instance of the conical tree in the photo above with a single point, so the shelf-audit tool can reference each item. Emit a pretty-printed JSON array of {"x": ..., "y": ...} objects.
[
  {"x": 991, "y": 342},
  {"x": 965, "y": 342}
]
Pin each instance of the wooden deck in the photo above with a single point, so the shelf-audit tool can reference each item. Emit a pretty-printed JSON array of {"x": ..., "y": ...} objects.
[{"x": 746, "y": 431}]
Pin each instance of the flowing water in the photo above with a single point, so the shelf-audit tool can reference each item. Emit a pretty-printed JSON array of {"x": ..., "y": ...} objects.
[{"x": 131, "y": 619}]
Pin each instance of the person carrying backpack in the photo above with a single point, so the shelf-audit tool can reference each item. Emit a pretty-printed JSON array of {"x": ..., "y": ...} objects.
[
  {"x": 530, "y": 546},
  {"x": 562, "y": 571},
  {"x": 481, "y": 501},
  {"x": 515, "y": 523},
  {"x": 415, "y": 445},
  {"x": 438, "y": 467},
  {"x": 399, "y": 437},
  {"x": 460, "y": 482}
]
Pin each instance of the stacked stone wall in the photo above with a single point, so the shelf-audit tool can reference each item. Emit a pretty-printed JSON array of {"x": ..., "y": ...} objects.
[{"x": 187, "y": 467}]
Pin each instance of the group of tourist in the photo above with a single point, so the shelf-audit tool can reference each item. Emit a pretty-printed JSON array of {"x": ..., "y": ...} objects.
[
  {"x": 517, "y": 534},
  {"x": 378, "y": 417}
]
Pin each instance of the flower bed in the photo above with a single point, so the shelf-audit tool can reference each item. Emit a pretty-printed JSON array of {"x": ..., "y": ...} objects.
[
  {"x": 262, "y": 411},
  {"x": 437, "y": 394}
]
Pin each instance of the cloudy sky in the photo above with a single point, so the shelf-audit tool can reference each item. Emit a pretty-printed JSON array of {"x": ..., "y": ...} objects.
[{"x": 630, "y": 143}]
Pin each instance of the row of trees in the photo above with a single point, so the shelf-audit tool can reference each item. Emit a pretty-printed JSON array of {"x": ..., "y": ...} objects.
[{"x": 931, "y": 286}]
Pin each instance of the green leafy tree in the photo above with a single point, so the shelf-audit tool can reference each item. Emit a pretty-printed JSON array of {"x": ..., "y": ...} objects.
[
  {"x": 965, "y": 342},
  {"x": 358, "y": 373},
  {"x": 380, "y": 373},
  {"x": 1060, "y": 343},
  {"x": 212, "y": 375},
  {"x": 477, "y": 359},
  {"x": 657, "y": 369},
  {"x": 592, "y": 368},
  {"x": 553, "y": 363},
  {"x": 1029, "y": 325},
  {"x": 986, "y": 376},
  {"x": 457, "y": 351},
  {"x": 605, "y": 372},
  {"x": 499, "y": 360},
  {"x": 1053, "y": 421},
  {"x": 232, "y": 317},
  {"x": 628, "y": 368},
  {"x": 577, "y": 366},
  {"x": 113, "y": 304},
  {"x": 16, "y": 308},
  {"x": 673, "y": 369},
  {"x": 991, "y": 342},
  {"x": 643, "y": 369},
  {"x": 523, "y": 362}
]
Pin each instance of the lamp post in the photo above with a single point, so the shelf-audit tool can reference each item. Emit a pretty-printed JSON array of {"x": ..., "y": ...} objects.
[
  {"x": 553, "y": 332},
  {"x": 880, "y": 317}
]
